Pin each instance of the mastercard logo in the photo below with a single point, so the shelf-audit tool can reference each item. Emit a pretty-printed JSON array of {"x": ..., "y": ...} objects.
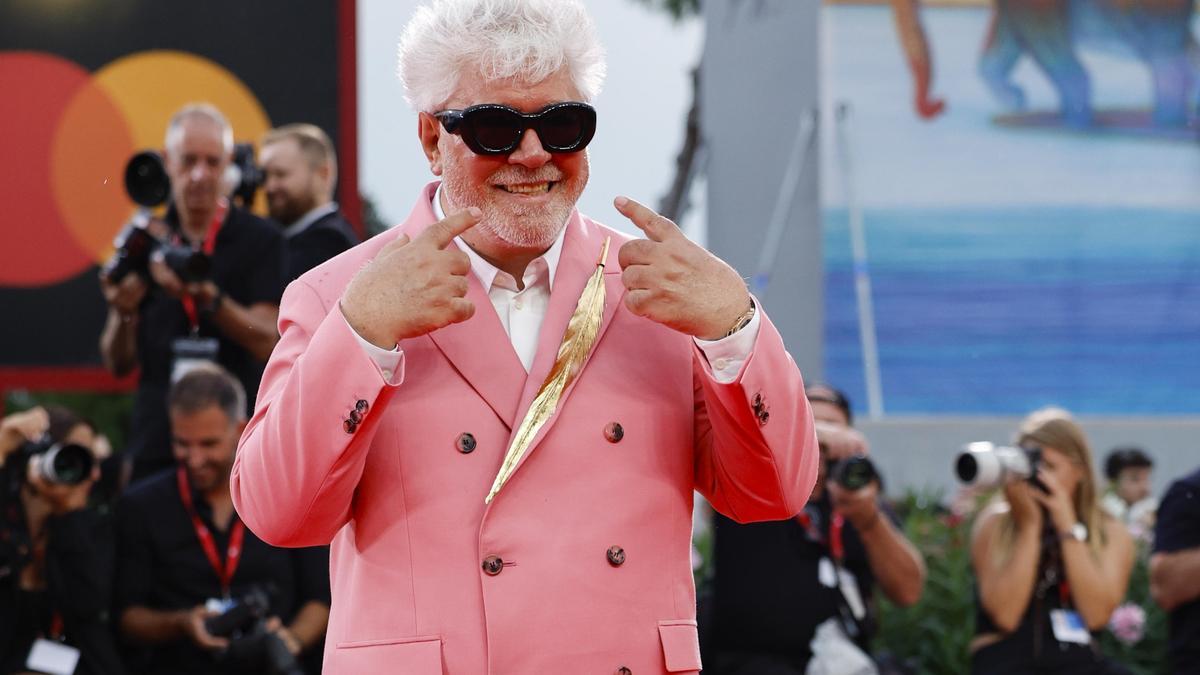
[{"x": 66, "y": 137}]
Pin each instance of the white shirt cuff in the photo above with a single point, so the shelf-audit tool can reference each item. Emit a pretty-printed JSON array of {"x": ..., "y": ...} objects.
[
  {"x": 726, "y": 356},
  {"x": 389, "y": 362}
]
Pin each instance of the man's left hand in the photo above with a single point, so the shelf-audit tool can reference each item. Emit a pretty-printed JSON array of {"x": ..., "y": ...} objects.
[
  {"x": 673, "y": 281},
  {"x": 860, "y": 507}
]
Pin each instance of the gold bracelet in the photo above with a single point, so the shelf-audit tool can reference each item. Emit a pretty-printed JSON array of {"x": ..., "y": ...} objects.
[{"x": 743, "y": 320}]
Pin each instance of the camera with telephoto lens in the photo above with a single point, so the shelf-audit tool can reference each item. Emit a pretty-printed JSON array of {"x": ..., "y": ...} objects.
[
  {"x": 251, "y": 645},
  {"x": 988, "y": 465},
  {"x": 58, "y": 463},
  {"x": 147, "y": 184},
  {"x": 853, "y": 473}
]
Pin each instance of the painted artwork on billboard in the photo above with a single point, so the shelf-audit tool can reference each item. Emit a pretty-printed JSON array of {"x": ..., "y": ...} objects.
[{"x": 1026, "y": 179}]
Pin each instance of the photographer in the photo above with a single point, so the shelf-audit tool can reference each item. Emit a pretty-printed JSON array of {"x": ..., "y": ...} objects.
[
  {"x": 1127, "y": 497},
  {"x": 56, "y": 554},
  {"x": 798, "y": 595},
  {"x": 1175, "y": 571},
  {"x": 185, "y": 557},
  {"x": 1050, "y": 565},
  {"x": 176, "y": 315},
  {"x": 301, "y": 172}
]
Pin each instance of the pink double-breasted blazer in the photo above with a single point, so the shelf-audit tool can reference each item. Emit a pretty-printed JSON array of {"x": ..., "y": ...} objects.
[{"x": 582, "y": 563}]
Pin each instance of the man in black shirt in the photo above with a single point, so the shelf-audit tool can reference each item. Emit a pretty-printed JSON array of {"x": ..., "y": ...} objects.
[
  {"x": 183, "y": 553},
  {"x": 228, "y": 316},
  {"x": 775, "y": 583},
  {"x": 301, "y": 171},
  {"x": 1175, "y": 571}
]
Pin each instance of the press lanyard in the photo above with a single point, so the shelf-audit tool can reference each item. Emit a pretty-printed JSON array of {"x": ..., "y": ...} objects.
[
  {"x": 233, "y": 553},
  {"x": 209, "y": 245},
  {"x": 836, "y": 523}
]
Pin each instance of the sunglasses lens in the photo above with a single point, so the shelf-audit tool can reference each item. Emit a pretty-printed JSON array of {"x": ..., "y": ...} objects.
[
  {"x": 563, "y": 128},
  {"x": 496, "y": 130}
]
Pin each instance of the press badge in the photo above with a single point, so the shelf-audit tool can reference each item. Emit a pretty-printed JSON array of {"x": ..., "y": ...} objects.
[
  {"x": 190, "y": 352},
  {"x": 53, "y": 658},
  {"x": 1068, "y": 627}
]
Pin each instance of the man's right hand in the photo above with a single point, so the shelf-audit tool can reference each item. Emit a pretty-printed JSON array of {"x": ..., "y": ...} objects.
[
  {"x": 841, "y": 441},
  {"x": 193, "y": 626},
  {"x": 413, "y": 287},
  {"x": 126, "y": 296}
]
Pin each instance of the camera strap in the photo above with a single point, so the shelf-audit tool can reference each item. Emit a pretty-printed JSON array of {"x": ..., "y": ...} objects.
[
  {"x": 209, "y": 245},
  {"x": 833, "y": 542},
  {"x": 233, "y": 552}
]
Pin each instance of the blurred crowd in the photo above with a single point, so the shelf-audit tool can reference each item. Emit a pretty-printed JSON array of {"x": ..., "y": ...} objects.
[{"x": 138, "y": 562}]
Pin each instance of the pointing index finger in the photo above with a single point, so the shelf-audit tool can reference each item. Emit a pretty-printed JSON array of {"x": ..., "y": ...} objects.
[
  {"x": 656, "y": 227},
  {"x": 441, "y": 233}
]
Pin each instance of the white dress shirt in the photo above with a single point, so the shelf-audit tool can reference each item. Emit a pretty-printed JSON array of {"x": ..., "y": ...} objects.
[{"x": 521, "y": 312}]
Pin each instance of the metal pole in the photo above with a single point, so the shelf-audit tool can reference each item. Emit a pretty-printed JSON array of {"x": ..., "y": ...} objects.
[
  {"x": 862, "y": 274},
  {"x": 777, "y": 225}
]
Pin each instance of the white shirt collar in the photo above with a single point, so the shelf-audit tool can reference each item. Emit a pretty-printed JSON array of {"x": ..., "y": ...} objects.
[
  {"x": 309, "y": 218},
  {"x": 487, "y": 272}
]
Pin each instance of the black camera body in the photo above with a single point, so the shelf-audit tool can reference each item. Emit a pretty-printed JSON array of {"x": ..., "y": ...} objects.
[
  {"x": 58, "y": 463},
  {"x": 250, "y": 643},
  {"x": 247, "y": 176},
  {"x": 149, "y": 186},
  {"x": 853, "y": 473}
]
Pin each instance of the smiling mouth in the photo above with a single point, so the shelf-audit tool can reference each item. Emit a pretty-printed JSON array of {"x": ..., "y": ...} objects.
[{"x": 530, "y": 189}]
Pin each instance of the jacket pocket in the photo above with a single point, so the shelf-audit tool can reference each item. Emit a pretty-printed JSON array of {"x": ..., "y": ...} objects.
[
  {"x": 681, "y": 645},
  {"x": 410, "y": 655}
]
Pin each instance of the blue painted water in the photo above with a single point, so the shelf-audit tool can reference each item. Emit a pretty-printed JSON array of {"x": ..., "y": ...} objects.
[{"x": 1002, "y": 310}]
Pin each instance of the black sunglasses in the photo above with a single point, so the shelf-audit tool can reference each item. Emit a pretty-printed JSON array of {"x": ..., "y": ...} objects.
[{"x": 493, "y": 129}]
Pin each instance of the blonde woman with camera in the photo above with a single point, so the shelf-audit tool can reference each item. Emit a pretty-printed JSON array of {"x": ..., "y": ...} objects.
[{"x": 1050, "y": 565}]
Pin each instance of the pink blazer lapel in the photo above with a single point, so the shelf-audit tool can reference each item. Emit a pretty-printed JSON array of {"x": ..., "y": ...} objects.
[
  {"x": 581, "y": 249},
  {"x": 478, "y": 348}
]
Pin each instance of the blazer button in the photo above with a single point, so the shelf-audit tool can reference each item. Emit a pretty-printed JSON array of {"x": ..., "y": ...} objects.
[
  {"x": 362, "y": 406},
  {"x": 493, "y": 565},
  {"x": 616, "y": 556},
  {"x": 623, "y": 671},
  {"x": 349, "y": 426},
  {"x": 465, "y": 443},
  {"x": 355, "y": 416},
  {"x": 758, "y": 401},
  {"x": 763, "y": 417},
  {"x": 614, "y": 432}
]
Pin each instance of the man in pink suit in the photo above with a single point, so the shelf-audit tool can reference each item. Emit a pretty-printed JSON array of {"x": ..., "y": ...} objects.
[{"x": 407, "y": 364}]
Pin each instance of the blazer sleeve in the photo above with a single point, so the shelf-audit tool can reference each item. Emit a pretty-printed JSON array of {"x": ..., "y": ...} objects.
[
  {"x": 756, "y": 445},
  {"x": 299, "y": 460}
]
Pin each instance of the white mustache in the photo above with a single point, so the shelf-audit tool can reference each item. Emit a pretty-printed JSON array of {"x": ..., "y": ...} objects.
[{"x": 516, "y": 176}]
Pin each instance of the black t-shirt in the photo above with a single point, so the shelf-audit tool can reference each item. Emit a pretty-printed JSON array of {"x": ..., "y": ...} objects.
[
  {"x": 161, "y": 565},
  {"x": 323, "y": 239},
  {"x": 767, "y": 596},
  {"x": 248, "y": 264},
  {"x": 1177, "y": 529}
]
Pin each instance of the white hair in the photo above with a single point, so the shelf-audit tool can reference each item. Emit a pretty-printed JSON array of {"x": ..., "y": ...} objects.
[
  {"x": 528, "y": 40},
  {"x": 204, "y": 111}
]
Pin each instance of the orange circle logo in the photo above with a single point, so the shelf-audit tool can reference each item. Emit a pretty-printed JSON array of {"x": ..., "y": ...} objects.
[{"x": 68, "y": 138}]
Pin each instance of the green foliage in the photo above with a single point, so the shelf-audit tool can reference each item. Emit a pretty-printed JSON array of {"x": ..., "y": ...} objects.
[
  {"x": 1149, "y": 654},
  {"x": 678, "y": 9},
  {"x": 935, "y": 632}
]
